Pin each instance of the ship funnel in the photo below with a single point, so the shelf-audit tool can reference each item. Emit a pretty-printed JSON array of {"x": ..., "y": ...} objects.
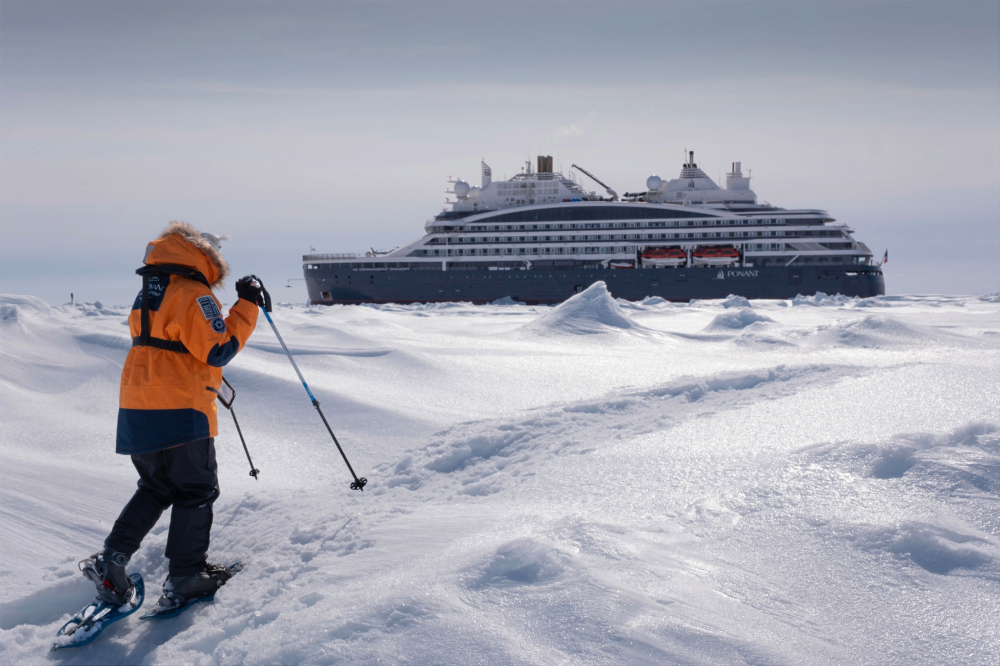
[
  {"x": 735, "y": 179},
  {"x": 544, "y": 164},
  {"x": 487, "y": 174}
]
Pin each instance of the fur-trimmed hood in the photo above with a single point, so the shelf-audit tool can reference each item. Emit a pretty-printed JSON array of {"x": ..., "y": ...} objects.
[{"x": 182, "y": 244}]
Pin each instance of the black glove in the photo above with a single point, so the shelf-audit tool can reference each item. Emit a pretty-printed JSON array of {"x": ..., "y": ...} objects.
[{"x": 248, "y": 289}]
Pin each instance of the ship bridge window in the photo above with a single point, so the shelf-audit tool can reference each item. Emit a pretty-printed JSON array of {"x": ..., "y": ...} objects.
[{"x": 453, "y": 215}]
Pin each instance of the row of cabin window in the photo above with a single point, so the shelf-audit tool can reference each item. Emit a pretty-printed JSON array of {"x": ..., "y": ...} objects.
[
  {"x": 487, "y": 252},
  {"x": 625, "y": 225},
  {"x": 756, "y": 247},
  {"x": 542, "y": 239},
  {"x": 751, "y": 247},
  {"x": 762, "y": 247}
]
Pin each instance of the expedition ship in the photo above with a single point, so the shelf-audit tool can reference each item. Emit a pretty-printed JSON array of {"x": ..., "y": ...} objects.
[{"x": 540, "y": 237}]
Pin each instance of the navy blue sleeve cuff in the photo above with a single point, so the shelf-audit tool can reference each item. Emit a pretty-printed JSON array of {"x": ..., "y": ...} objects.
[{"x": 220, "y": 355}]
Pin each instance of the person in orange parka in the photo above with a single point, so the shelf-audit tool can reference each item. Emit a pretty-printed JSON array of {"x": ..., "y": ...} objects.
[{"x": 167, "y": 414}]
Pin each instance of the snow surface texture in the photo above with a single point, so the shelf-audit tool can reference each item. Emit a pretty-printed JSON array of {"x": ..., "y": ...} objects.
[{"x": 812, "y": 481}]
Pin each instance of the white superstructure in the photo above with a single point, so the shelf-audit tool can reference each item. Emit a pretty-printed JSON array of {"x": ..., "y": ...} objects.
[{"x": 541, "y": 218}]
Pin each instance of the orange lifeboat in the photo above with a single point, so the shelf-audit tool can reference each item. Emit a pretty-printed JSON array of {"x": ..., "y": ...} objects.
[
  {"x": 715, "y": 256},
  {"x": 664, "y": 256}
]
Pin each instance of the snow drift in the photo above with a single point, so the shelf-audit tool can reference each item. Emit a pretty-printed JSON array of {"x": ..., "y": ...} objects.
[
  {"x": 12, "y": 307},
  {"x": 684, "y": 497},
  {"x": 736, "y": 320},
  {"x": 874, "y": 331},
  {"x": 592, "y": 311}
]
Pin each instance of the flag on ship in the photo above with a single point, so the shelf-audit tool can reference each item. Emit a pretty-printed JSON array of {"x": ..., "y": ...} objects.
[{"x": 885, "y": 257}]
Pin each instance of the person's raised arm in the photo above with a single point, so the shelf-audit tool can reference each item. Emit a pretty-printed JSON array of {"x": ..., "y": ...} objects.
[{"x": 215, "y": 340}]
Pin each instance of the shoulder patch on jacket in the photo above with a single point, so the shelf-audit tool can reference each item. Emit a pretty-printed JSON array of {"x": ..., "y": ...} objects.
[
  {"x": 208, "y": 307},
  {"x": 218, "y": 325}
]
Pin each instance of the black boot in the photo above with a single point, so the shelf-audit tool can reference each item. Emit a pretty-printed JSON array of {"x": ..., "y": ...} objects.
[
  {"x": 107, "y": 571},
  {"x": 181, "y": 590}
]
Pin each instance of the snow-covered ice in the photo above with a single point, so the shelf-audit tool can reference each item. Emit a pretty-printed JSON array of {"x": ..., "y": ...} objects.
[{"x": 811, "y": 481}]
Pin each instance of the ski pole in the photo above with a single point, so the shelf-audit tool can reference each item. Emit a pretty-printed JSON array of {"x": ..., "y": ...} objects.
[
  {"x": 359, "y": 483},
  {"x": 226, "y": 395},
  {"x": 253, "y": 470}
]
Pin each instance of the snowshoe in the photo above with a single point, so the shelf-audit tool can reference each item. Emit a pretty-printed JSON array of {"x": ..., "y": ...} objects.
[
  {"x": 181, "y": 592},
  {"x": 97, "y": 616}
]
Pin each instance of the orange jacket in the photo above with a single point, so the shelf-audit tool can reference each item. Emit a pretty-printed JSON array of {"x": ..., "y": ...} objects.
[{"x": 167, "y": 397}]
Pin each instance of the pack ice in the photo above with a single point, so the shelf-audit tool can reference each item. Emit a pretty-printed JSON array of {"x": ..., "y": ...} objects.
[{"x": 812, "y": 481}]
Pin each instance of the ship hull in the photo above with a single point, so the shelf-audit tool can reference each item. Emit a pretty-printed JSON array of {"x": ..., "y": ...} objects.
[{"x": 331, "y": 284}]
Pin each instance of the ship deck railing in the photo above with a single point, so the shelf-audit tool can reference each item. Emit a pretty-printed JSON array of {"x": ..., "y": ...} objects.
[{"x": 323, "y": 257}]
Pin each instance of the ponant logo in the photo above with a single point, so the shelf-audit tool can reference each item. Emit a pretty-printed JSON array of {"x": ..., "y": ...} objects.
[{"x": 741, "y": 273}]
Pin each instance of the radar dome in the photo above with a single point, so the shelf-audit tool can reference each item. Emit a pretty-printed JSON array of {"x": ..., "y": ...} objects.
[
  {"x": 654, "y": 182},
  {"x": 461, "y": 189},
  {"x": 475, "y": 192}
]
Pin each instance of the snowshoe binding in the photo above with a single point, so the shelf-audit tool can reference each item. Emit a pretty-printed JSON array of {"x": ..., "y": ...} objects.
[
  {"x": 118, "y": 596},
  {"x": 181, "y": 592},
  {"x": 107, "y": 571}
]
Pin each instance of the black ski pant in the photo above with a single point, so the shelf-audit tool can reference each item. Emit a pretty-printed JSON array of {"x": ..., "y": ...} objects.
[{"x": 184, "y": 477}]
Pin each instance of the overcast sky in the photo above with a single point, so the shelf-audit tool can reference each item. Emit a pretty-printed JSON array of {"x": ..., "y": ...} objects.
[{"x": 335, "y": 125}]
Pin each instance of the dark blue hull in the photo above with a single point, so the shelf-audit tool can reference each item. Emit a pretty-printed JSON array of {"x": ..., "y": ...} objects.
[{"x": 332, "y": 283}]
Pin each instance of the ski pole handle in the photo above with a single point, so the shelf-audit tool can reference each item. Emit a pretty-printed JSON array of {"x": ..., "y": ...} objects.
[{"x": 265, "y": 296}]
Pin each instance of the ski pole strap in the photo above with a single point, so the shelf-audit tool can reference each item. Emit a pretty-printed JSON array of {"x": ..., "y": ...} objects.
[{"x": 265, "y": 295}]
